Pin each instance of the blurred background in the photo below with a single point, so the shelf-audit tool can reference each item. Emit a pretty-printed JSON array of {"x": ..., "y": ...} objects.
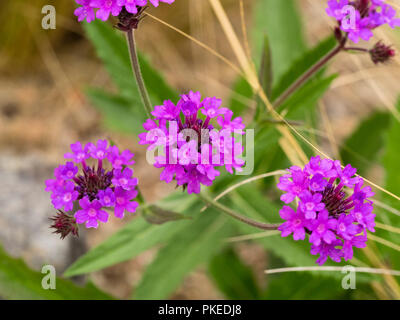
[{"x": 43, "y": 74}]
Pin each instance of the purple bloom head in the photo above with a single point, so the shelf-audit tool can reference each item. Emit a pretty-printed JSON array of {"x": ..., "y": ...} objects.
[
  {"x": 88, "y": 188},
  {"x": 102, "y": 9},
  {"x": 359, "y": 18},
  {"x": 333, "y": 207},
  {"x": 189, "y": 147}
]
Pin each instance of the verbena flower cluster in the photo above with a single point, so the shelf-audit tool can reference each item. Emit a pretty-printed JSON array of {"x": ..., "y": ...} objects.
[
  {"x": 191, "y": 148},
  {"x": 360, "y": 17},
  {"x": 333, "y": 207},
  {"x": 86, "y": 191},
  {"x": 89, "y": 10}
]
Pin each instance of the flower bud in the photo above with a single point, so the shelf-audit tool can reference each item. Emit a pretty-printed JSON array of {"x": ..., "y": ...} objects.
[
  {"x": 381, "y": 53},
  {"x": 64, "y": 224}
]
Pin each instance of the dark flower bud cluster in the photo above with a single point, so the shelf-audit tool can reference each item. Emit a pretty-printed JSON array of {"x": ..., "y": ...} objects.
[
  {"x": 64, "y": 224},
  {"x": 381, "y": 53}
]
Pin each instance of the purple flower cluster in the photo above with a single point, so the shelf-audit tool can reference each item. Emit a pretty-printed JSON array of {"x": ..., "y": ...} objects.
[
  {"x": 191, "y": 148},
  {"x": 336, "y": 219},
  {"x": 92, "y": 189},
  {"x": 102, "y": 9},
  {"x": 358, "y": 18}
]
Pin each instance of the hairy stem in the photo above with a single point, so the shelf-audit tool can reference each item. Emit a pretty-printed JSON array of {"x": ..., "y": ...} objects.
[
  {"x": 308, "y": 74},
  {"x": 237, "y": 216},
  {"x": 137, "y": 72}
]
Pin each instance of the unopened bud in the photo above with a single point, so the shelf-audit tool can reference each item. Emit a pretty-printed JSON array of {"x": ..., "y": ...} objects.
[
  {"x": 64, "y": 224},
  {"x": 381, "y": 53}
]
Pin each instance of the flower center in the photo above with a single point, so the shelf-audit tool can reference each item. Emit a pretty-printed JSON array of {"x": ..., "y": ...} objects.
[
  {"x": 321, "y": 228},
  {"x": 335, "y": 200},
  {"x": 342, "y": 227},
  {"x": 80, "y": 156},
  {"x": 92, "y": 212},
  {"x": 310, "y": 206},
  {"x": 100, "y": 154},
  {"x": 297, "y": 189},
  {"x": 297, "y": 222},
  {"x": 67, "y": 197},
  {"x": 106, "y": 199},
  {"x": 92, "y": 181},
  {"x": 315, "y": 185},
  {"x": 120, "y": 200}
]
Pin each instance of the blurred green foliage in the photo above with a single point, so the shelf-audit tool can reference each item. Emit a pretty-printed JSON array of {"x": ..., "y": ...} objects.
[{"x": 17, "y": 281}]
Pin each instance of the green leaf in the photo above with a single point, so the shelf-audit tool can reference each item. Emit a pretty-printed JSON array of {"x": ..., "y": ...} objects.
[
  {"x": 156, "y": 215},
  {"x": 199, "y": 242},
  {"x": 134, "y": 238},
  {"x": 363, "y": 146},
  {"x": 305, "y": 286},
  {"x": 306, "y": 97},
  {"x": 117, "y": 112},
  {"x": 302, "y": 64},
  {"x": 391, "y": 161},
  {"x": 18, "y": 281},
  {"x": 233, "y": 277},
  {"x": 266, "y": 73},
  {"x": 281, "y": 22},
  {"x": 111, "y": 47},
  {"x": 113, "y": 51},
  {"x": 301, "y": 106},
  {"x": 124, "y": 111},
  {"x": 241, "y": 97},
  {"x": 266, "y": 77}
]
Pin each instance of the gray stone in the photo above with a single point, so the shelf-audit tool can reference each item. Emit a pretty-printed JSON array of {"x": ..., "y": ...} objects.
[{"x": 25, "y": 209}]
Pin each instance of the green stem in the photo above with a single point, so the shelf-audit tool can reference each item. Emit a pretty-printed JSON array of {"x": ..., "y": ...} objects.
[
  {"x": 308, "y": 74},
  {"x": 237, "y": 216},
  {"x": 355, "y": 49},
  {"x": 137, "y": 72}
]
